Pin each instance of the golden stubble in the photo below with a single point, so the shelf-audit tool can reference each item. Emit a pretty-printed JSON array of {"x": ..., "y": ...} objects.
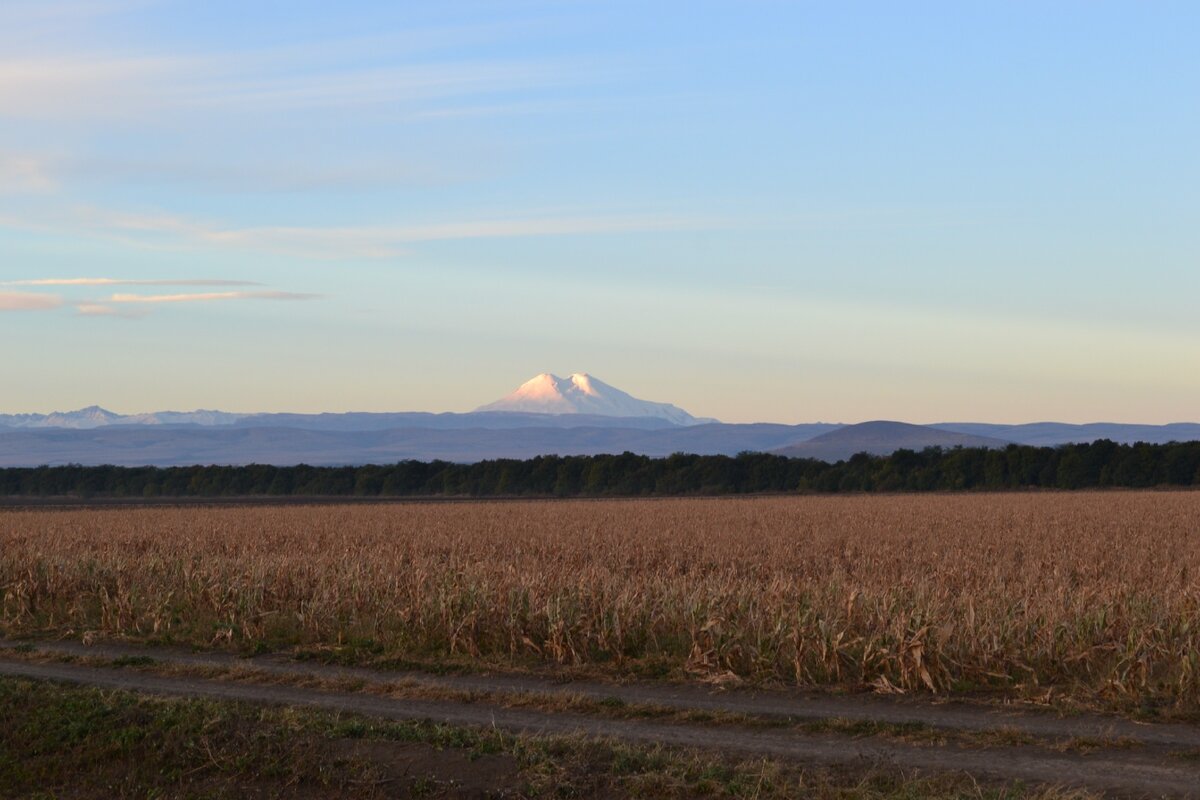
[{"x": 1086, "y": 592}]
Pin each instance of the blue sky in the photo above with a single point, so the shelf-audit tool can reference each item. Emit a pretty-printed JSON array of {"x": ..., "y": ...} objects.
[{"x": 755, "y": 210}]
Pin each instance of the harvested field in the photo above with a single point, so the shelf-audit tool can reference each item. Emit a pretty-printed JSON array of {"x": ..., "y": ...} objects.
[{"x": 1091, "y": 597}]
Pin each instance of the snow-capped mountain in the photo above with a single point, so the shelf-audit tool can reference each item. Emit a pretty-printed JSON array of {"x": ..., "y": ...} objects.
[{"x": 580, "y": 393}]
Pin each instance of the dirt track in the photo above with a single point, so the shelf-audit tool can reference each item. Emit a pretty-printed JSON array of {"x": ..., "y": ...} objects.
[{"x": 1146, "y": 763}]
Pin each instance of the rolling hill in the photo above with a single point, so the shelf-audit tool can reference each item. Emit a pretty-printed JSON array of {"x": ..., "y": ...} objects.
[{"x": 881, "y": 437}]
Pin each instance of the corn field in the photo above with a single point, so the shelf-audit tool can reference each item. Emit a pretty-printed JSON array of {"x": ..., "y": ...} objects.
[{"x": 1080, "y": 595}]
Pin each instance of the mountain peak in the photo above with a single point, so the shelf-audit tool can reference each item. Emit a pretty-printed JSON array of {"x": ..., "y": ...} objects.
[
  {"x": 580, "y": 393},
  {"x": 583, "y": 382},
  {"x": 89, "y": 417}
]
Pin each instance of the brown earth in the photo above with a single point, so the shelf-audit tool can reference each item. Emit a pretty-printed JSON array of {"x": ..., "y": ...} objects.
[{"x": 406, "y": 765}]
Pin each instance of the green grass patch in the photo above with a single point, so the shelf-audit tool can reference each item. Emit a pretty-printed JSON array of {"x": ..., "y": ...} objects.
[{"x": 90, "y": 743}]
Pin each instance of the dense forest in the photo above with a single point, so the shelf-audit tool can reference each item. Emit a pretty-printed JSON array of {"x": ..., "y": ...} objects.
[{"x": 1081, "y": 466}]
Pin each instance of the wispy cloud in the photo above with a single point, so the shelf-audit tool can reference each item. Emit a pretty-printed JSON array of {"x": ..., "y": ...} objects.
[
  {"x": 201, "y": 297},
  {"x": 260, "y": 172},
  {"x": 22, "y": 173},
  {"x": 132, "y": 306},
  {"x": 104, "y": 310},
  {"x": 353, "y": 241},
  {"x": 104, "y": 86},
  {"x": 127, "y": 282},
  {"x": 137, "y": 306},
  {"x": 60, "y": 11},
  {"x": 72, "y": 67},
  {"x": 77, "y": 87},
  {"x": 387, "y": 241},
  {"x": 27, "y": 301},
  {"x": 371, "y": 87},
  {"x": 331, "y": 242}
]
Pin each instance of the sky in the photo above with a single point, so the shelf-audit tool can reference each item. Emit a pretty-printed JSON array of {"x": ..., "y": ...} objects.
[{"x": 758, "y": 211}]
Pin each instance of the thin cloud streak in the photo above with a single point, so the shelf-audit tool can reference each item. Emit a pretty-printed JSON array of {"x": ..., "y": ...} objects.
[
  {"x": 27, "y": 301},
  {"x": 118, "y": 305},
  {"x": 263, "y": 175},
  {"x": 129, "y": 282},
  {"x": 102, "y": 310},
  {"x": 371, "y": 87},
  {"x": 208, "y": 297},
  {"x": 25, "y": 11},
  {"x": 70, "y": 86},
  {"x": 386, "y": 241},
  {"x": 354, "y": 241},
  {"x": 137, "y": 306}
]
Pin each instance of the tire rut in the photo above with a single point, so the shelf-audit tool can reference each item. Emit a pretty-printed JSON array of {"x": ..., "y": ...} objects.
[
  {"x": 1120, "y": 773},
  {"x": 778, "y": 704}
]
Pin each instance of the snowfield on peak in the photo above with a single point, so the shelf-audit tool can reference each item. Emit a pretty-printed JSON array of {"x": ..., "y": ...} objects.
[{"x": 581, "y": 393}]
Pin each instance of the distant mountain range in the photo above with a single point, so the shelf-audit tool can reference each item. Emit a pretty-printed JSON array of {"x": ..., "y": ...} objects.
[
  {"x": 547, "y": 414},
  {"x": 88, "y": 419},
  {"x": 141, "y": 445},
  {"x": 97, "y": 417},
  {"x": 545, "y": 400}
]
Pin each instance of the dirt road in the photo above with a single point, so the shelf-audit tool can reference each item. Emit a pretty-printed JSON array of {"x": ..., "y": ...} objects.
[{"x": 1112, "y": 755}]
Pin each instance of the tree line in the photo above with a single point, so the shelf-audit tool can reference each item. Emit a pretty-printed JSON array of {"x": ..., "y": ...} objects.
[{"x": 1079, "y": 466}]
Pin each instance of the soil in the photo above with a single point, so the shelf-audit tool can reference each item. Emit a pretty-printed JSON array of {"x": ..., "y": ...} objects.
[{"x": 413, "y": 769}]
